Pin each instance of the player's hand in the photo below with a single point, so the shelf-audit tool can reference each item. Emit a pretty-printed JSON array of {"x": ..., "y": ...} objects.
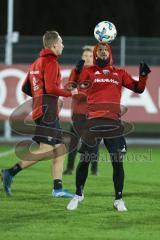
[
  {"x": 78, "y": 96},
  {"x": 79, "y": 66},
  {"x": 74, "y": 92},
  {"x": 60, "y": 104},
  {"x": 144, "y": 69}
]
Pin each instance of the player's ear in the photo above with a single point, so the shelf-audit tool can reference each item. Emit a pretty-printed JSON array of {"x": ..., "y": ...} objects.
[{"x": 53, "y": 45}]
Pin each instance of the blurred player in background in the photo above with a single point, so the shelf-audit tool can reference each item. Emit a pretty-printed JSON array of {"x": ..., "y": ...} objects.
[
  {"x": 79, "y": 108},
  {"x": 44, "y": 78},
  {"x": 103, "y": 99}
]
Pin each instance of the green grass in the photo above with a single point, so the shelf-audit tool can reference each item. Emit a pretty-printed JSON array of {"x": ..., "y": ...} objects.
[{"x": 33, "y": 214}]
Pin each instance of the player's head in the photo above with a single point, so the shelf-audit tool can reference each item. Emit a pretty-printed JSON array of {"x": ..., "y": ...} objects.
[
  {"x": 53, "y": 41},
  {"x": 87, "y": 55},
  {"x": 102, "y": 55}
]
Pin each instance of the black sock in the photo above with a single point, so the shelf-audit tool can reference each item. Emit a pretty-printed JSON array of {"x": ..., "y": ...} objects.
[
  {"x": 79, "y": 191},
  {"x": 118, "y": 195},
  {"x": 57, "y": 184},
  {"x": 15, "y": 169}
]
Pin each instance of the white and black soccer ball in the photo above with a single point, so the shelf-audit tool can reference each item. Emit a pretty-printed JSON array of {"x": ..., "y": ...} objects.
[{"x": 105, "y": 32}]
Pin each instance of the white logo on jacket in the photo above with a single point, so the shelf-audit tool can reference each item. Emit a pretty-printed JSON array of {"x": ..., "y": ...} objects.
[
  {"x": 116, "y": 74},
  {"x": 105, "y": 71},
  {"x": 97, "y": 72},
  {"x": 35, "y": 86},
  {"x": 106, "y": 80},
  {"x": 34, "y": 72}
]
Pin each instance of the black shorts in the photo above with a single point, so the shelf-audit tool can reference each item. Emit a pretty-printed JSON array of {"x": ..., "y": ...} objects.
[
  {"x": 48, "y": 132},
  {"x": 110, "y": 131},
  {"x": 78, "y": 122}
]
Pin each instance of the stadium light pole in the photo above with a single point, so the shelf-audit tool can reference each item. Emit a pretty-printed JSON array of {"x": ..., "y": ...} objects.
[
  {"x": 9, "y": 42},
  {"x": 8, "y": 55},
  {"x": 122, "y": 51}
]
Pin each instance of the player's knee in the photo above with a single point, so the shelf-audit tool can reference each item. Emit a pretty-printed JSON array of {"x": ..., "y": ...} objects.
[
  {"x": 59, "y": 150},
  {"x": 45, "y": 147},
  {"x": 117, "y": 157}
]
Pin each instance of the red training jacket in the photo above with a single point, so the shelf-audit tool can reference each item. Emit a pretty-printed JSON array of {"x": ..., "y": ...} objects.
[
  {"x": 104, "y": 95},
  {"x": 44, "y": 78},
  {"x": 106, "y": 89},
  {"x": 79, "y": 103}
]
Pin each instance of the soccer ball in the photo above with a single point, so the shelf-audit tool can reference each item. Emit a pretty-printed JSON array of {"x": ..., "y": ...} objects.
[{"x": 105, "y": 32}]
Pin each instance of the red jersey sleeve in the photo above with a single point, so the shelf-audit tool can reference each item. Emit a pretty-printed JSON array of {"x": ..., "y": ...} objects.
[
  {"x": 26, "y": 87},
  {"x": 79, "y": 78},
  {"x": 73, "y": 76},
  {"x": 52, "y": 80},
  {"x": 130, "y": 83}
]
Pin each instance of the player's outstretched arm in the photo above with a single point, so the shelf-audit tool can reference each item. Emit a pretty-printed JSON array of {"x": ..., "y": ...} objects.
[{"x": 137, "y": 86}]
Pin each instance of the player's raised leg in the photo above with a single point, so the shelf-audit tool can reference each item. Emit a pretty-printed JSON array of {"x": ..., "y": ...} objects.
[{"x": 7, "y": 175}]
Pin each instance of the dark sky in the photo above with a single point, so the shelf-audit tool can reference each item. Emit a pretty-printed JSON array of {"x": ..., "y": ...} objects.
[{"x": 68, "y": 17}]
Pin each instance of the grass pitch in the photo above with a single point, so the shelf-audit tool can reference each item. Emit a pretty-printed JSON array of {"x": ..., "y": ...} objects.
[{"x": 33, "y": 214}]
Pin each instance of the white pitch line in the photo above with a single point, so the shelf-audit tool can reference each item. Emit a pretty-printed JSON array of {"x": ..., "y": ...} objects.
[{"x": 4, "y": 154}]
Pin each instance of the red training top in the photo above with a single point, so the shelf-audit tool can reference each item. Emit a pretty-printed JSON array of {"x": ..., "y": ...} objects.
[
  {"x": 103, "y": 97},
  {"x": 45, "y": 78}
]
